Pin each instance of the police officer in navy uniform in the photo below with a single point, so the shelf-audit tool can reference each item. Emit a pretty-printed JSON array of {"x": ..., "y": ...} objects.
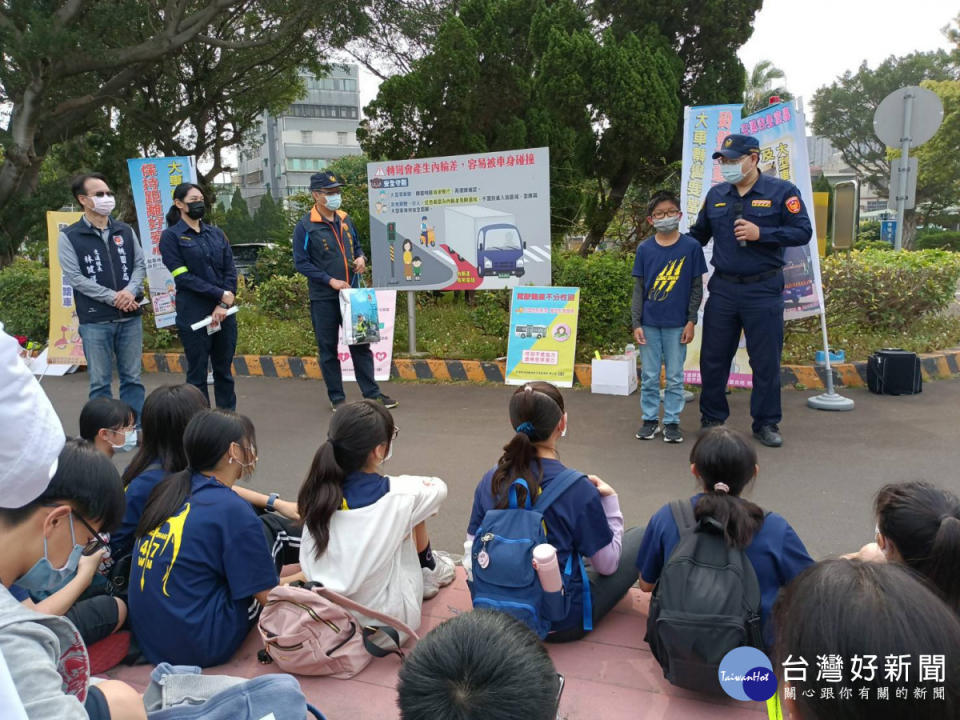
[
  {"x": 326, "y": 249},
  {"x": 751, "y": 218},
  {"x": 199, "y": 257}
]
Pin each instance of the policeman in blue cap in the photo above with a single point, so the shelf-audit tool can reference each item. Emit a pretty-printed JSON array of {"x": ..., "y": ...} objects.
[
  {"x": 326, "y": 249},
  {"x": 751, "y": 217}
]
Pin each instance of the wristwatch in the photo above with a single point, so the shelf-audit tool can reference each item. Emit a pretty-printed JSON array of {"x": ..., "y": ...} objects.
[
  {"x": 223, "y": 305},
  {"x": 271, "y": 500}
]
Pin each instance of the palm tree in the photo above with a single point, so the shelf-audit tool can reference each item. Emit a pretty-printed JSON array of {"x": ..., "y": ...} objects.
[{"x": 760, "y": 84}]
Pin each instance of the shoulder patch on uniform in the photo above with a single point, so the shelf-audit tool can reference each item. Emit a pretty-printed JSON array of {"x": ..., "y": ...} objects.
[
  {"x": 762, "y": 203},
  {"x": 720, "y": 204},
  {"x": 793, "y": 204}
]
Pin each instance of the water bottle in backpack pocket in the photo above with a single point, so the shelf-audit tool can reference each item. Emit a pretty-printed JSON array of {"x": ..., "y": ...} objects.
[
  {"x": 504, "y": 577},
  {"x": 705, "y": 604}
]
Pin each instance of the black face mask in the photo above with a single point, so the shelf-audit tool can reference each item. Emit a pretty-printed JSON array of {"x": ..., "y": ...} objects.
[{"x": 195, "y": 210}]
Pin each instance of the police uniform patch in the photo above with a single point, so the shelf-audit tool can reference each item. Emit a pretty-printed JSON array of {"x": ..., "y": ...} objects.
[
  {"x": 793, "y": 204},
  {"x": 728, "y": 142},
  {"x": 762, "y": 203},
  {"x": 118, "y": 240}
]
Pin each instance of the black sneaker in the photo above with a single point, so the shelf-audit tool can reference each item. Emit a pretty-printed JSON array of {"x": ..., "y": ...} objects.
[
  {"x": 336, "y": 405},
  {"x": 649, "y": 430},
  {"x": 672, "y": 434},
  {"x": 388, "y": 402},
  {"x": 769, "y": 435}
]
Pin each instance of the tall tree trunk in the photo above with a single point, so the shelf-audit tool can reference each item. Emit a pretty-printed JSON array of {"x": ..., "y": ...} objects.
[{"x": 601, "y": 217}]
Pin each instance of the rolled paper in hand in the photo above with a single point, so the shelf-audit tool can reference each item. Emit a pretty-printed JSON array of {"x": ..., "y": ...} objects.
[{"x": 200, "y": 324}]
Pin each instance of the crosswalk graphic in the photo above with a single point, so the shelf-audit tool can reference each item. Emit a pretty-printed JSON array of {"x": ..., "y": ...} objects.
[{"x": 537, "y": 254}]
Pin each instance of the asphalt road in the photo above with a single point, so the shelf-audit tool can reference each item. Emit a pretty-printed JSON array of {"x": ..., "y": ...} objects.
[{"x": 822, "y": 480}]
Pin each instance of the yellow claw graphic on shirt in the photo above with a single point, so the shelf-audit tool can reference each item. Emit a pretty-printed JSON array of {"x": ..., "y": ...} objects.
[
  {"x": 666, "y": 280},
  {"x": 151, "y": 545}
]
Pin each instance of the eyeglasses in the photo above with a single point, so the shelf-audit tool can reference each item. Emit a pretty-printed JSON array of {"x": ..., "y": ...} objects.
[
  {"x": 96, "y": 542},
  {"x": 396, "y": 431},
  {"x": 559, "y": 693},
  {"x": 661, "y": 214},
  {"x": 100, "y": 193}
]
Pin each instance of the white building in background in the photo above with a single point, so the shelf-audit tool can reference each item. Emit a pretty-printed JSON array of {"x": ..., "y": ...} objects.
[
  {"x": 310, "y": 134},
  {"x": 826, "y": 159}
]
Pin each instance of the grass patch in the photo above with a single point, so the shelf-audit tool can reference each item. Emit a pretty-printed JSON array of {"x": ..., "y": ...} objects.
[
  {"x": 929, "y": 333},
  {"x": 446, "y": 329}
]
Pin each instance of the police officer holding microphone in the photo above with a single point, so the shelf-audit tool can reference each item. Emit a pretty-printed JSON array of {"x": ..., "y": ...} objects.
[{"x": 751, "y": 218}]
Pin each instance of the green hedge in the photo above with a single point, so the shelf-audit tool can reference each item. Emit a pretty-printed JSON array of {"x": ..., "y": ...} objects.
[
  {"x": 938, "y": 239},
  {"x": 874, "y": 298},
  {"x": 881, "y": 289},
  {"x": 25, "y": 299}
]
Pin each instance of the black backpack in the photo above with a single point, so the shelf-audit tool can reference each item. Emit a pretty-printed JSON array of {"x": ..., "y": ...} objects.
[{"x": 705, "y": 604}]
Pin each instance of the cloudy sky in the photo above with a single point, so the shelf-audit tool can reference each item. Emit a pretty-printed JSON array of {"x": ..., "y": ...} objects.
[{"x": 815, "y": 41}]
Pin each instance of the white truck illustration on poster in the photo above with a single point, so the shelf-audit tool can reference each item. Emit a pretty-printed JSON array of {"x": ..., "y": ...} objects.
[{"x": 465, "y": 222}]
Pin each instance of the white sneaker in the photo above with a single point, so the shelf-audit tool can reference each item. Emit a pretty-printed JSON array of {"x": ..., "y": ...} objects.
[{"x": 441, "y": 576}]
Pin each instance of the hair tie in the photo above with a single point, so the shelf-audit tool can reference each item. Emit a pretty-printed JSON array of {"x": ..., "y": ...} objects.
[
  {"x": 526, "y": 428},
  {"x": 946, "y": 516},
  {"x": 527, "y": 388},
  {"x": 721, "y": 487}
]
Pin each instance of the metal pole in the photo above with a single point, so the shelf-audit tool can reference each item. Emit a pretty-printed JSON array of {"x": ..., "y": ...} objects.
[
  {"x": 412, "y": 321},
  {"x": 904, "y": 168},
  {"x": 828, "y": 400}
]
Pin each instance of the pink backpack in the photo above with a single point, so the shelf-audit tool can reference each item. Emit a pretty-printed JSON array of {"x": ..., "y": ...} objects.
[{"x": 308, "y": 629}]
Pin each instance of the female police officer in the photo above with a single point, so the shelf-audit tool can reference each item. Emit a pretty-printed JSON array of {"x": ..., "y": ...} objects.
[{"x": 201, "y": 262}]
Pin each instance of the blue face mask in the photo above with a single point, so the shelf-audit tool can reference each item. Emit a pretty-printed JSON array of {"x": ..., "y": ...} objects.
[
  {"x": 333, "y": 201},
  {"x": 129, "y": 442},
  {"x": 43, "y": 578},
  {"x": 732, "y": 173}
]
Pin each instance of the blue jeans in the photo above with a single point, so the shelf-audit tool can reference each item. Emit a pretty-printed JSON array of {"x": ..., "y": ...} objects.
[
  {"x": 121, "y": 341},
  {"x": 663, "y": 348}
]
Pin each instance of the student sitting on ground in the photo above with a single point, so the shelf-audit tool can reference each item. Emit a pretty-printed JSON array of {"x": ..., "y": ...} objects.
[
  {"x": 57, "y": 590},
  {"x": 365, "y": 533},
  {"x": 201, "y": 568},
  {"x": 39, "y": 543},
  {"x": 918, "y": 524},
  {"x": 584, "y": 521},
  {"x": 166, "y": 413},
  {"x": 864, "y": 619},
  {"x": 110, "y": 424},
  {"x": 724, "y": 462},
  {"x": 481, "y": 665}
]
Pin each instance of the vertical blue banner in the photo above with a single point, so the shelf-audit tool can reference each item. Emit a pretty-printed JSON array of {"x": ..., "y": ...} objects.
[{"x": 152, "y": 181}]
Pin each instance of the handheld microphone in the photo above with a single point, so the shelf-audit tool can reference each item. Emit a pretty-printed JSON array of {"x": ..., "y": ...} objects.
[{"x": 738, "y": 215}]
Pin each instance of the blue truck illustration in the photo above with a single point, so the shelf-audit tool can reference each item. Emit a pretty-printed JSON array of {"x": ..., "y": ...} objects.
[{"x": 492, "y": 234}]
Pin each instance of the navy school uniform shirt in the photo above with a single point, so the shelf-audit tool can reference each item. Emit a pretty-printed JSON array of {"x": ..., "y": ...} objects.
[
  {"x": 774, "y": 205},
  {"x": 668, "y": 274},
  {"x": 202, "y": 267},
  {"x": 361, "y": 489},
  {"x": 194, "y": 577},
  {"x": 135, "y": 495},
  {"x": 575, "y": 522},
  {"x": 776, "y": 553}
]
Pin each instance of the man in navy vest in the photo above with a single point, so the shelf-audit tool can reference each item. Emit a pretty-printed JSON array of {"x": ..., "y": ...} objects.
[
  {"x": 326, "y": 250},
  {"x": 102, "y": 261}
]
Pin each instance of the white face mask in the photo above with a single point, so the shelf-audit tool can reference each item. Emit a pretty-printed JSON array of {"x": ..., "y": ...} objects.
[
  {"x": 566, "y": 424},
  {"x": 389, "y": 453},
  {"x": 129, "y": 441},
  {"x": 104, "y": 205}
]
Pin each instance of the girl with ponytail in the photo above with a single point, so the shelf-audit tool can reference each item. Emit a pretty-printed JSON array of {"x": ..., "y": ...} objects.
[
  {"x": 201, "y": 566},
  {"x": 918, "y": 524},
  {"x": 364, "y": 533},
  {"x": 724, "y": 463},
  {"x": 585, "y": 519}
]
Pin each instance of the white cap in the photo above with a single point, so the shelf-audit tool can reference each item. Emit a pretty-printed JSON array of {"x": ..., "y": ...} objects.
[{"x": 31, "y": 436}]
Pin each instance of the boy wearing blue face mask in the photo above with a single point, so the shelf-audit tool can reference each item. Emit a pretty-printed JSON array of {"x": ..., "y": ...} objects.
[
  {"x": 42, "y": 544},
  {"x": 326, "y": 250},
  {"x": 668, "y": 287}
]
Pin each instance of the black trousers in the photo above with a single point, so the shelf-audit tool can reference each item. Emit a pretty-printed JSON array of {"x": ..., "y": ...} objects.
[{"x": 218, "y": 350}]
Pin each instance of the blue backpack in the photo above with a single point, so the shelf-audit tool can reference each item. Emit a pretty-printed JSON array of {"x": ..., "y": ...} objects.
[{"x": 503, "y": 575}]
